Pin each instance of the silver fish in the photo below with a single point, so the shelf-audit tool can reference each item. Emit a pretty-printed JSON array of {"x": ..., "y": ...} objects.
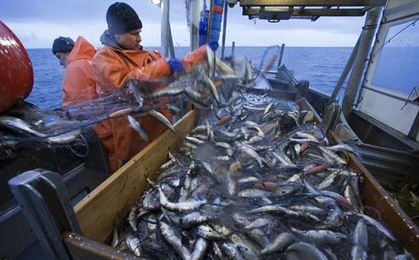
[
  {"x": 189, "y": 220},
  {"x": 252, "y": 153},
  {"x": 320, "y": 236},
  {"x": 280, "y": 243},
  {"x": 132, "y": 218},
  {"x": 133, "y": 244},
  {"x": 137, "y": 127},
  {"x": 360, "y": 240},
  {"x": 179, "y": 206},
  {"x": 301, "y": 250},
  {"x": 245, "y": 247},
  {"x": 160, "y": 117},
  {"x": 231, "y": 251},
  {"x": 260, "y": 222},
  {"x": 205, "y": 231},
  {"x": 377, "y": 225},
  {"x": 200, "y": 248},
  {"x": 174, "y": 239},
  {"x": 19, "y": 124}
]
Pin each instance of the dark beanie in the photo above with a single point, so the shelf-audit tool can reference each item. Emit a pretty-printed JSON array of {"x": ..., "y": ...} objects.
[
  {"x": 62, "y": 44},
  {"x": 121, "y": 18}
]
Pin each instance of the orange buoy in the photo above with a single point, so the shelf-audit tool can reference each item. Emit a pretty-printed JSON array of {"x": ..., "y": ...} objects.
[{"x": 16, "y": 73}]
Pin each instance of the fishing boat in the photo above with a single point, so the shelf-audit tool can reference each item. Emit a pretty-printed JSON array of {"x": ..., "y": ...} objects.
[{"x": 372, "y": 114}]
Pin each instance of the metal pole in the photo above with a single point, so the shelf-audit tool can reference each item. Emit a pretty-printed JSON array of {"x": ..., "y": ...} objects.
[
  {"x": 345, "y": 72},
  {"x": 364, "y": 48},
  {"x": 224, "y": 29},
  {"x": 233, "y": 47},
  {"x": 165, "y": 27},
  {"x": 195, "y": 9},
  {"x": 171, "y": 47},
  {"x": 280, "y": 57}
]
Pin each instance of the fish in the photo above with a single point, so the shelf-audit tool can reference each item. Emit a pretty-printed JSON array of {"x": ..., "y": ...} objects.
[
  {"x": 302, "y": 250},
  {"x": 162, "y": 119},
  {"x": 260, "y": 222},
  {"x": 189, "y": 220},
  {"x": 200, "y": 248},
  {"x": 132, "y": 218},
  {"x": 137, "y": 127},
  {"x": 173, "y": 238},
  {"x": 280, "y": 243},
  {"x": 133, "y": 244},
  {"x": 360, "y": 241},
  {"x": 179, "y": 206},
  {"x": 320, "y": 236},
  {"x": 20, "y": 125},
  {"x": 280, "y": 209},
  {"x": 135, "y": 92},
  {"x": 207, "y": 232},
  {"x": 377, "y": 225}
]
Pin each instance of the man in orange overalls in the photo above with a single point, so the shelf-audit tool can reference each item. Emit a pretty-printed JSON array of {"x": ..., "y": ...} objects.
[
  {"x": 122, "y": 58},
  {"x": 76, "y": 57}
]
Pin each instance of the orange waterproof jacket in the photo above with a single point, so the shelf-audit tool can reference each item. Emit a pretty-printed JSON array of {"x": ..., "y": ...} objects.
[
  {"x": 112, "y": 67},
  {"x": 79, "y": 80}
]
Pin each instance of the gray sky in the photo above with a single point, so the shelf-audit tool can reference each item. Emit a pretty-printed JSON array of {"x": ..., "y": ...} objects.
[{"x": 38, "y": 22}]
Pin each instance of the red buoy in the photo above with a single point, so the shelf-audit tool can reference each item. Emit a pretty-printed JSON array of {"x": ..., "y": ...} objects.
[{"x": 16, "y": 73}]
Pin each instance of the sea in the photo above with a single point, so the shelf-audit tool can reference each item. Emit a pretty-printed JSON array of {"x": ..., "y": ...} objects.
[{"x": 321, "y": 66}]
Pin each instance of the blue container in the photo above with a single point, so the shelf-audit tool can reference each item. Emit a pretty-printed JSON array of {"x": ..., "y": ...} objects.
[
  {"x": 202, "y": 39},
  {"x": 214, "y": 35},
  {"x": 203, "y": 27},
  {"x": 219, "y": 2},
  {"x": 216, "y": 22}
]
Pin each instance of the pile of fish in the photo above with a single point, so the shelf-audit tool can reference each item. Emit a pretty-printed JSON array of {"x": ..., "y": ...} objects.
[{"x": 257, "y": 179}]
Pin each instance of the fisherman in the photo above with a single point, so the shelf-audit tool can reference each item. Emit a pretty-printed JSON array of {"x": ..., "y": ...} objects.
[
  {"x": 123, "y": 58},
  {"x": 76, "y": 57}
]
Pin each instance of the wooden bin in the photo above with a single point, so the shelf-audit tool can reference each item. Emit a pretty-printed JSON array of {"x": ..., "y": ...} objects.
[{"x": 109, "y": 203}]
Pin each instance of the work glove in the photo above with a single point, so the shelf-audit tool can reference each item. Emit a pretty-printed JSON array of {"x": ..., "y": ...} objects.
[
  {"x": 175, "y": 65},
  {"x": 213, "y": 45}
]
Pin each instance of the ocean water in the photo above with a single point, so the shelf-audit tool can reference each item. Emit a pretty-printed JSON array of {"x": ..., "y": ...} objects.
[{"x": 322, "y": 66}]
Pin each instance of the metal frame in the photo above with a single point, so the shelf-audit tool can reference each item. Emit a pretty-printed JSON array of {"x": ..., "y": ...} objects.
[
  {"x": 276, "y": 10},
  {"x": 46, "y": 205}
]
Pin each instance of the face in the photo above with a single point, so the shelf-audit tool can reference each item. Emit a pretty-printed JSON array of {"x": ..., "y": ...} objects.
[
  {"x": 130, "y": 40},
  {"x": 62, "y": 57}
]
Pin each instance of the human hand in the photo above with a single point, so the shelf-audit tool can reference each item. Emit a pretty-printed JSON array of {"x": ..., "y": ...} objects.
[{"x": 175, "y": 65}]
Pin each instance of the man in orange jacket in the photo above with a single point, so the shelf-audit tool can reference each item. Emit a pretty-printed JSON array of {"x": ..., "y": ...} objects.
[
  {"x": 76, "y": 57},
  {"x": 123, "y": 58},
  {"x": 79, "y": 81}
]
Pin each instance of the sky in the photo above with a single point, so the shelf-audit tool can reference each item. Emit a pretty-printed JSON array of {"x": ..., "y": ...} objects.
[{"x": 38, "y": 22}]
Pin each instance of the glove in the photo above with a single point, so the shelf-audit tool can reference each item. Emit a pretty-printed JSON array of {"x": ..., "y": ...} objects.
[
  {"x": 213, "y": 45},
  {"x": 175, "y": 65}
]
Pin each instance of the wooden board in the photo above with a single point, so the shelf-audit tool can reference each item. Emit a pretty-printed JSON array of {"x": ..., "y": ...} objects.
[{"x": 110, "y": 202}]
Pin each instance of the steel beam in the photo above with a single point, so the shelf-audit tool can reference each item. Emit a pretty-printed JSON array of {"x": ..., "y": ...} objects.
[
  {"x": 365, "y": 42},
  {"x": 306, "y": 12},
  {"x": 312, "y": 2}
]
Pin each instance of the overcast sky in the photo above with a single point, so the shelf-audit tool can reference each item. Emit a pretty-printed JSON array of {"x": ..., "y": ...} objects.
[{"x": 38, "y": 22}]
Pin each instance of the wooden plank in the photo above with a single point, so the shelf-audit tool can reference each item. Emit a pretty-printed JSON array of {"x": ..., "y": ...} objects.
[
  {"x": 109, "y": 203},
  {"x": 80, "y": 247},
  {"x": 392, "y": 215}
]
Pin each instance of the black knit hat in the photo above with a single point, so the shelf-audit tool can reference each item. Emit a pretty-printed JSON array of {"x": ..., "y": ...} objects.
[
  {"x": 62, "y": 44},
  {"x": 121, "y": 18}
]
